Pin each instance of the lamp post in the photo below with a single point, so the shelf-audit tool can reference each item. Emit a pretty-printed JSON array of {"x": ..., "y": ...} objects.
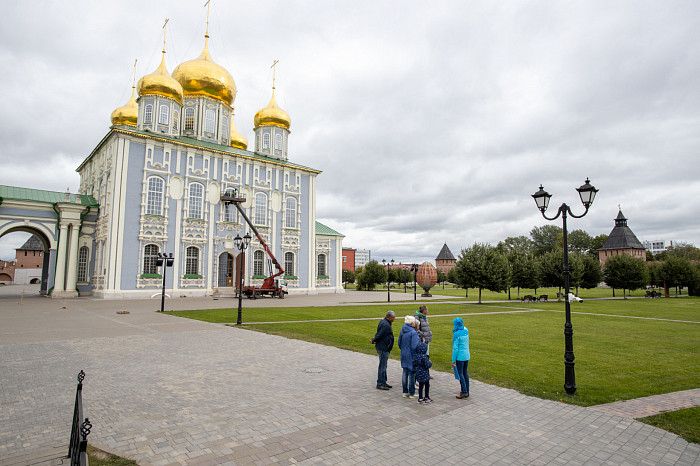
[
  {"x": 414, "y": 269},
  {"x": 388, "y": 295},
  {"x": 166, "y": 261},
  {"x": 241, "y": 244},
  {"x": 587, "y": 193}
]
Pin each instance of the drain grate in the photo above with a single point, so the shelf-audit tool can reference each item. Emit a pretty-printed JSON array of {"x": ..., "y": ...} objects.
[{"x": 315, "y": 370}]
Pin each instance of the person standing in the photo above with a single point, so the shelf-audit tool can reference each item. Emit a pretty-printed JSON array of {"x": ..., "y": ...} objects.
[
  {"x": 423, "y": 327},
  {"x": 384, "y": 342},
  {"x": 460, "y": 355},
  {"x": 408, "y": 342},
  {"x": 421, "y": 364}
]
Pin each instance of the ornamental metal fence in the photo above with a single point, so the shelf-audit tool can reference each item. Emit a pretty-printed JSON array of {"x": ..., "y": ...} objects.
[{"x": 80, "y": 429}]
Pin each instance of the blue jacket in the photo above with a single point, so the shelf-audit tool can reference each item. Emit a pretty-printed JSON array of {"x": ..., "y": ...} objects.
[
  {"x": 408, "y": 342},
  {"x": 460, "y": 341},
  {"x": 384, "y": 339},
  {"x": 421, "y": 363}
]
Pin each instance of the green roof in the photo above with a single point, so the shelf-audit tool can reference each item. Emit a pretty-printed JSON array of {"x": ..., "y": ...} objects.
[
  {"x": 47, "y": 197},
  {"x": 322, "y": 229},
  {"x": 187, "y": 141}
]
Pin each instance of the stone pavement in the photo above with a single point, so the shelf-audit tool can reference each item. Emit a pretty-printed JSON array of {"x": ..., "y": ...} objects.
[
  {"x": 652, "y": 405},
  {"x": 164, "y": 390}
]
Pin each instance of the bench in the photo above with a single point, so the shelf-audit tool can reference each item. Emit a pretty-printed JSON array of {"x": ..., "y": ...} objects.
[{"x": 543, "y": 298}]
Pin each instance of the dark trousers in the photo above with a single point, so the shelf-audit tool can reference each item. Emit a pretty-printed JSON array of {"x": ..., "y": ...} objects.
[
  {"x": 381, "y": 371},
  {"x": 421, "y": 385}
]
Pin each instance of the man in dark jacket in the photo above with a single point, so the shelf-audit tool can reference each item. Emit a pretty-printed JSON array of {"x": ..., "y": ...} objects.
[{"x": 384, "y": 342}]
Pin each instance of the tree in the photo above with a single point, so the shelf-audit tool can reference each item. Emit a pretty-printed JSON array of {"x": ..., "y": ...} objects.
[
  {"x": 404, "y": 276},
  {"x": 552, "y": 269},
  {"x": 592, "y": 272},
  {"x": 684, "y": 250},
  {"x": 393, "y": 275},
  {"x": 372, "y": 274},
  {"x": 579, "y": 241},
  {"x": 626, "y": 272},
  {"x": 521, "y": 243},
  {"x": 597, "y": 242},
  {"x": 441, "y": 277},
  {"x": 348, "y": 276},
  {"x": 676, "y": 271},
  {"x": 524, "y": 270},
  {"x": 482, "y": 266},
  {"x": 545, "y": 238},
  {"x": 655, "y": 278}
]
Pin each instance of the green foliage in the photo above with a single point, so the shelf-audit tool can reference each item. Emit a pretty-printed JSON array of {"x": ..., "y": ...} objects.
[
  {"x": 519, "y": 243},
  {"x": 626, "y": 272},
  {"x": 393, "y": 275},
  {"x": 441, "y": 276},
  {"x": 348, "y": 276},
  {"x": 524, "y": 269},
  {"x": 655, "y": 278},
  {"x": 597, "y": 242},
  {"x": 592, "y": 272},
  {"x": 482, "y": 266},
  {"x": 373, "y": 273},
  {"x": 684, "y": 422},
  {"x": 552, "y": 269},
  {"x": 676, "y": 271},
  {"x": 404, "y": 276},
  {"x": 684, "y": 250},
  {"x": 579, "y": 241},
  {"x": 545, "y": 238}
]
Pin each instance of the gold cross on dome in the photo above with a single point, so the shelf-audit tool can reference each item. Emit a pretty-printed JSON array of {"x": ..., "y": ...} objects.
[{"x": 274, "y": 64}]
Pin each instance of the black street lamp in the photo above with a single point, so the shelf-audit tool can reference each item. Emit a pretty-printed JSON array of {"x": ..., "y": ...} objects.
[
  {"x": 241, "y": 244},
  {"x": 587, "y": 193},
  {"x": 388, "y": 295},
  {"x": 414, "y": 269},
  {"x": 166, "y": 261}
]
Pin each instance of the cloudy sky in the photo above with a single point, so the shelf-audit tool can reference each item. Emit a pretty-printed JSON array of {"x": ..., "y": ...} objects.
[{"x": 432, "y": 122}]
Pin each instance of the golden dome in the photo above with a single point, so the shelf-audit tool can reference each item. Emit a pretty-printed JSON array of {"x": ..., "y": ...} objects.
[
  {"x": 160, "y": 82},
  {"x": 202, "y": 76},
  {"x": 272, "y": 115},
  {"x": 128, "y": 114},
  {"x": 237, "y": 139}
]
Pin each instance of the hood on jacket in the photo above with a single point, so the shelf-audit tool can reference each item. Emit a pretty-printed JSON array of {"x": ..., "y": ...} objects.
[
  {"x": 407, "y": 328},
  {"x": 422, "y": 348},
  {"x": 459, "y": 325}
]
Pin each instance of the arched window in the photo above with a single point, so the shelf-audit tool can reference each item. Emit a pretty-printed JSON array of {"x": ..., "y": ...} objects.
[
  {"x": 258, "y": 260},
  {"x": 260, "y": 209},
  {"x": 266, "y": 141},
  {"x": 83, "y": 264},
  {"x": 150, "y": 258},
  {"x": 196, "y": 200},
  {"x": 230, "y": 213},
  {"x": 321, "y": 264},
  {"x": 176, "y": 120},
  {"x": 189, "y": 118},
  {"x": 290, "y": 220},
  {"x": 278, "y": 141},
  {"x": 148, "y": 114},
  {"x": 209, "y": 121},
  {"x": 192, "y": 261},
  {"x": 163, "y": 114},
  {"x": 154, "y": 196},
  {"x": 289, "y": 263}
]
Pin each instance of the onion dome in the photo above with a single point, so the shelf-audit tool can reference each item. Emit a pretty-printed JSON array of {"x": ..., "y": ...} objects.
[
  {"x": 128, "y": 114},
  {"x": 202, "y": 76},
  {"x": 272, "y": 115},
  {"x": 160, "y": 82},
  {"x": 237, "y": 139}
]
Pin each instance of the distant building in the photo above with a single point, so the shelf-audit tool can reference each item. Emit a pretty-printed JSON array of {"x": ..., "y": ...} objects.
[
  {"x": 655, "y": 246},
  {"x": 348, "y": 259},
  {"x": 445, "y": 261},
  {"x": 621, "y": 241},
  {"x": 7, "y": 272},
  {"x": 362, "y": 256},
  {"x": 29, "y": 259}
]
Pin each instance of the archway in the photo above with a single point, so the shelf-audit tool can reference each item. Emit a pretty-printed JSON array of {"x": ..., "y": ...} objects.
[
  {"x": 225, "y": 270},
  {"x": 46, "y": 254}
]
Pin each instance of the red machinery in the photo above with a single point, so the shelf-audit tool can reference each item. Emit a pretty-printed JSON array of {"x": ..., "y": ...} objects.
[{"x": 271, "y": 286}]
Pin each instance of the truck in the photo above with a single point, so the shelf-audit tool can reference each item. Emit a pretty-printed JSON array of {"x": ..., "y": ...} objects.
[{"x": 271, "y": 286}]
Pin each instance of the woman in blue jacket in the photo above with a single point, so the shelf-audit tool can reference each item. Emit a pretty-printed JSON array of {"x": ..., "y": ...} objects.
[
  {"x": 460, "y": 355},
  {"x": 408, "y": 342}
]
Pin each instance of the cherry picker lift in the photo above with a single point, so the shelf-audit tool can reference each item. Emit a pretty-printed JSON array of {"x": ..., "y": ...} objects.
[{"x": 271, "y": 286}]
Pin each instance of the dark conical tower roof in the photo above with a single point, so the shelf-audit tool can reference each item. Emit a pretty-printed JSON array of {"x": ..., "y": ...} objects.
[
  {"x": 621, "y": 237},
  {"x": 32, "y": 244},
  {"x": 445, "y": 254}
]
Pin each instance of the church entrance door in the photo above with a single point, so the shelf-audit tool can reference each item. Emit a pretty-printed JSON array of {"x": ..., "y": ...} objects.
[{"x": 225, "y": 270}]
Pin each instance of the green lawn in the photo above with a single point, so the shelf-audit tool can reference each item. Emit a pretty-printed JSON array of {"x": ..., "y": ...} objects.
[{"x": 683, "y": 422}]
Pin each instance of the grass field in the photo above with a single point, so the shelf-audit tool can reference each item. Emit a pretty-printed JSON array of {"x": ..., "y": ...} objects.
[
  {"x": 683, "y": 422},
  {"x": 621, "y": 351}
]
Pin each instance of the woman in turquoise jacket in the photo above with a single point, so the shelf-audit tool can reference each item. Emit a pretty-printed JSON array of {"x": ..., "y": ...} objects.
[{"x": 460, "y": 355}]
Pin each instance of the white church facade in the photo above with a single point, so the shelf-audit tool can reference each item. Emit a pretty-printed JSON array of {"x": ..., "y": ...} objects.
[{"x": 154, "y": 183}]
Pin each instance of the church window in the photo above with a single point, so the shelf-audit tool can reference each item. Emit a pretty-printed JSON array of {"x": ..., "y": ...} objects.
[
  {"x": 260, "y": 209},
  {"x": 154, "y": 196},
  {"x": 82, "y": 264},
  {"x": 291, "y": 213},
  {"x": 164, "y": 114},
  {"x": 278, "y": 141},
  {"x": 150, "y": 259},
  {"x": 230, "y": 213},
  {"x": 189, "y": 118},
  {"x": 224, "y": 127},
  {"x": 321, "y": 264},
  {"x": 258, "y": 260},
  {"x": 196, "y": 200},
  {"x": 148, "y": 114},
  {"x": 289, "y": 263},
  {"x": 209, "y": 121},
  {"x": 176, "y": 120},
  {"x": 192, "y": 261},
  {"x": 266, "y": 141}
]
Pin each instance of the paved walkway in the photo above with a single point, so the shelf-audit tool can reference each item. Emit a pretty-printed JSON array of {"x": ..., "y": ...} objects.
[
  {"x": 164, "y": 390},
  {"x": 652, "y": 405}
]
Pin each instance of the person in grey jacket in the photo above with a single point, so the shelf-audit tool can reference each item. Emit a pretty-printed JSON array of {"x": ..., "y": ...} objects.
[
  {"x": 384, "y": 342},
  {"x": 423, "y": 327}
]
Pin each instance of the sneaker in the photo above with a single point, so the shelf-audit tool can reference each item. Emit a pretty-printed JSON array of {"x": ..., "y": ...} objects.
[
  {"x": 420, "y": 400},
  {"x": 405, "y": 395},
  {"x": 427, "y": 400},
  {"x": 382, "y": 387},
  {"x": 387, "y": 385},
  {"x": 411, "y": 396}
]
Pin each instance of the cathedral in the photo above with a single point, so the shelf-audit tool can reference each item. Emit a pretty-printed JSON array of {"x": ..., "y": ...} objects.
[{"x": 153, "y": 185}]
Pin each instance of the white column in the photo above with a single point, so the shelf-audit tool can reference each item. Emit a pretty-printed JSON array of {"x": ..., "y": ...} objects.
[
  {"x": 72, "y": 259},
  {"x": 59, "y": 279}
]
